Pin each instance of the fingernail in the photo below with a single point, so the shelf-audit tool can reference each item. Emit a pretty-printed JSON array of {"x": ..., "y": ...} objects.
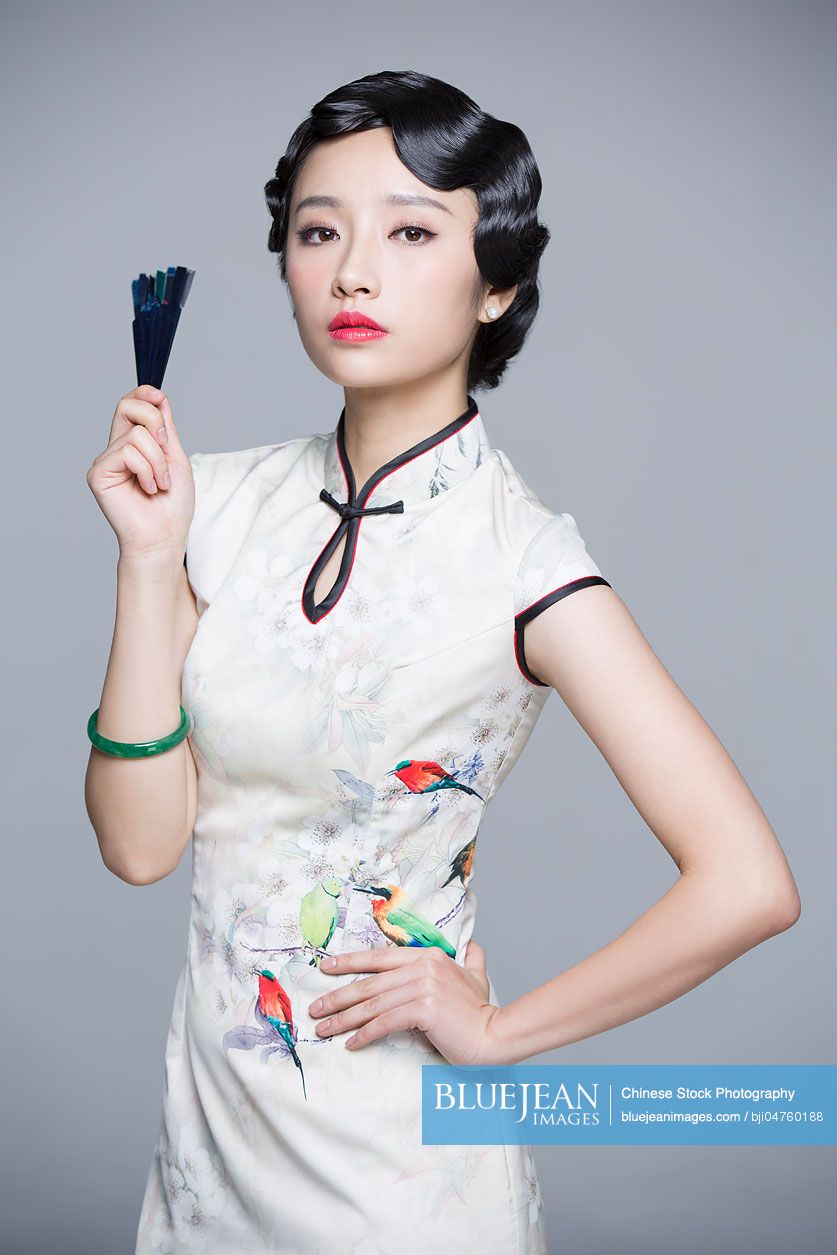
[
  {"x": 328, "y": 961},
  {"x": 167, "y": 480},
  {"x": 322, "y": 1027},
  {"x": 315, "y": 1006},
  {"x": 162, "y": 435}
]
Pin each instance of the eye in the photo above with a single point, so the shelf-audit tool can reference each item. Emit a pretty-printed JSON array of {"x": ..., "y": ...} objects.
[
  {"x": 413, "y": 226},
  {"x": 304, "y": 233}
]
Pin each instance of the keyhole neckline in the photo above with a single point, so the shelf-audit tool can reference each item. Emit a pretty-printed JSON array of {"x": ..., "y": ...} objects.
[
  {"x": 415, "y": 475},
  {"x": 410, "y": 475}
]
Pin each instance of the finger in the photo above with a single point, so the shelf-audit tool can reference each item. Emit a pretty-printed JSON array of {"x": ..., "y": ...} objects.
[
  {"x": 168, "y": 433},
  {"x": 356, "y": 990},
  {"x": 147, "y": 391},
  {"x": 133, "y": 460},
  {"x": 148, "y": 445},
  {"x": 131, "y": 411},
  {"x": 369, "y": 1009},
  {"x": 474, "y": 957},
  {"x": 376, "y": 960},
  {"x": 410, "y": 1015},
  {"x": 168, "y": 421}
]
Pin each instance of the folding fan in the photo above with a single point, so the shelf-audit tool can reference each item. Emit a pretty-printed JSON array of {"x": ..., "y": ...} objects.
[{"x": 158, "y": 301}]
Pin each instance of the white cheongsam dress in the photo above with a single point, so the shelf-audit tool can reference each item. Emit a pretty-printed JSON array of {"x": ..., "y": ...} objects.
[{"x": 346, "y": 749}]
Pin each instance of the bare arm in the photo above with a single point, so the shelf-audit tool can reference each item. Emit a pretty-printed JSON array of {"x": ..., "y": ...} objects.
[
  {"x": 735, "y": 888},
  {"x": 143, "y": 810}
]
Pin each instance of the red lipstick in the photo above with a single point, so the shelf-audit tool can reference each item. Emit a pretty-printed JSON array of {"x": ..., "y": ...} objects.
[{"x": 351, "y": 324}]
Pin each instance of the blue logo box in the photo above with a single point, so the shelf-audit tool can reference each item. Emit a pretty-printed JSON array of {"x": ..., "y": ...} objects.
[{"x": 648, "y": 1104}]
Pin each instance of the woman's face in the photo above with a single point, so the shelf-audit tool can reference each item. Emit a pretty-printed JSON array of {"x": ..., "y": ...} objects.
[{"x": 410, "y": 267}]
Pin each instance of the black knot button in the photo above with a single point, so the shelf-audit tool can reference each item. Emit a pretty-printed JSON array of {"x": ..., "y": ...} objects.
[{"x": 347, "y": 511}]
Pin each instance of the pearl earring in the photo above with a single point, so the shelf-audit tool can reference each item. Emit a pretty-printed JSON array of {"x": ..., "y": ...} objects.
[{"x": 492, "y": 311}]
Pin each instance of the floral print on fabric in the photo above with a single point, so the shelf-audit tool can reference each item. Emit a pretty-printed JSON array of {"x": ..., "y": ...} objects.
[{"x": 344, "y": 764}]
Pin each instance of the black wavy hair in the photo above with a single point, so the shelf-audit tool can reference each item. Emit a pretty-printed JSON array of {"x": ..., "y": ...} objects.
[{"x": 448, "y": 142}]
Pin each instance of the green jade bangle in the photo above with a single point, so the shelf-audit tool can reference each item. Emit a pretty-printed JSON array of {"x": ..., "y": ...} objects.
[{"x": 139, "y": 749}]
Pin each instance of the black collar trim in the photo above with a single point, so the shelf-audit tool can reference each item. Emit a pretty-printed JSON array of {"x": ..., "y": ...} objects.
[
  {"x": 351, "y": 517},
  {"x": 400, "y": 459}
]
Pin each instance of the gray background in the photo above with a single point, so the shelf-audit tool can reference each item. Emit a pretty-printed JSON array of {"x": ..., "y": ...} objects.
[{"x": 673, "y": 397}]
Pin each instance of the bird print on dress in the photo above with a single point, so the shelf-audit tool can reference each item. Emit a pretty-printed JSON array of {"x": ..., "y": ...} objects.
[
  {"x": 463, "y": 863},
  {"x": 275, "y": 1006},
  {"x": 425, "y": 776},
  {"x": 399, "y": 920},
  {"x": 318, "y": 912},
  {"x": 393, "y": 913},
  {"x": 278, "y": 1031},
  {"x": 294, "y": 728}
]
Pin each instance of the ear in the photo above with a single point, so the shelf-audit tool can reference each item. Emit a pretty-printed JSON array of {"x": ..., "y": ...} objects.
[{"x": 499, "y": 299}]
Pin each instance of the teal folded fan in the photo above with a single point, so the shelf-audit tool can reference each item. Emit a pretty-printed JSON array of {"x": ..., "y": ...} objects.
[{"x": 158, "y": 300}]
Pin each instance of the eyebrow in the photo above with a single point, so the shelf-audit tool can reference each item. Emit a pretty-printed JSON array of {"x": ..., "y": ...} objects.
[{"x": 394, "y": 198}]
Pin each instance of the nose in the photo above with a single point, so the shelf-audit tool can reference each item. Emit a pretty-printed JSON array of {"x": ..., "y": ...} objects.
[
  {"x": 347, "y": 283},
  {"x": 357, "y": 268}
]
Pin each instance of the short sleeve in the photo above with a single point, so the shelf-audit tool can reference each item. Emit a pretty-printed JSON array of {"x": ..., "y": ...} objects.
[
  {"x": 226, "y": 502},
  {"x": 554, "y": 564}
]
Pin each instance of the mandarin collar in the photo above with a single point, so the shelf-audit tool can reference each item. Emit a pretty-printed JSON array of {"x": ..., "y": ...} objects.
[{"x": 418, "y": 473}]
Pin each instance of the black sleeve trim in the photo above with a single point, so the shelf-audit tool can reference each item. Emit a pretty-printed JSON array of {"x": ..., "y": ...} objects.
[{"x": 530, "y": 612}]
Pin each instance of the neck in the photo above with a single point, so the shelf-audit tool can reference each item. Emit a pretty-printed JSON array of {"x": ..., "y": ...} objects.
[{"x": 380, "y": 423}]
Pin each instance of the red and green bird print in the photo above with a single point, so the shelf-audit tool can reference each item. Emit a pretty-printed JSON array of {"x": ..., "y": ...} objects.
[
  {"x": 274, "y": 1006},
  {"x": 398, "y": 919},
  {"x": 425, "y": 776}
]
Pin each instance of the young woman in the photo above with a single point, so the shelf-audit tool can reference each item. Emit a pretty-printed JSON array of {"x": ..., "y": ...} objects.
[{"x": 367, "y": 626}]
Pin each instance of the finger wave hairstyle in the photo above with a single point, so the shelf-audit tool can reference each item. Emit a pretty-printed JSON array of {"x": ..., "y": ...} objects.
[{"x": 447, "y": 142}]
